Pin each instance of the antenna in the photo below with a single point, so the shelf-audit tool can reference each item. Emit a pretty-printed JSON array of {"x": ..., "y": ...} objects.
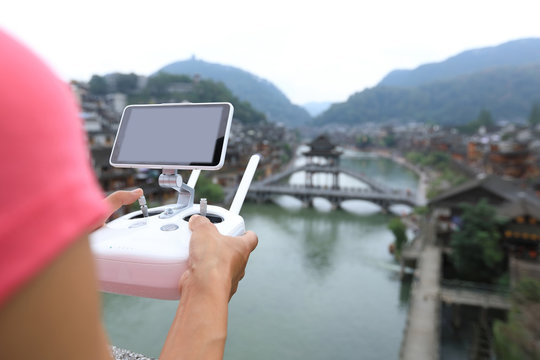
[
  {"x": 193, "y": 178},
  {"x": 243, "y": 188}
]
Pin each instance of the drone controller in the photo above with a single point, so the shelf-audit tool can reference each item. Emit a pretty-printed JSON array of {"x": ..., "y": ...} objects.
[{"x": 145, "y": 253}]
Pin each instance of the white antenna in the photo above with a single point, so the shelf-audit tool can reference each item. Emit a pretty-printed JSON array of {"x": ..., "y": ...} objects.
[
  {"x": 193, "y": 178},
  {"x": 243, "y": 188}
]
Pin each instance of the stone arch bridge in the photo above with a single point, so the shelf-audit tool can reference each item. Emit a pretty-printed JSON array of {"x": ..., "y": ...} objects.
[{"x": 377, "y": 193}]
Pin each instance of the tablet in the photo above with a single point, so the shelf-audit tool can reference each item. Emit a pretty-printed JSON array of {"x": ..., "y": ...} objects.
[{"x": 173, "y": 136}]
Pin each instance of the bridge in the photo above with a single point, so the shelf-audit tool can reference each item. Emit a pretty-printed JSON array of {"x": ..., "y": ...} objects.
[
  {"x": 377, "y": 192},
  {"x": 374, "y": 185},
  {"x": 473, "y": 294},
  {"x": 324, "y": 157}
]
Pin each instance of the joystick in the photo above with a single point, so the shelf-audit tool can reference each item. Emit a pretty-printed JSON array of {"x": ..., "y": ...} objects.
[{"x": 145, "y": 253}]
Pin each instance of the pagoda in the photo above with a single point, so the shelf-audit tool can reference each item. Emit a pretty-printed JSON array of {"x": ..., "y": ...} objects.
[{"x": 322, "y": 157}]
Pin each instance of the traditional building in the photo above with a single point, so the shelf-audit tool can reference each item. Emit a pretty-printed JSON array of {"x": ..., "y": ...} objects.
[
  {"x": 322, "y": 154},
  {"x": 521, "y": 231},
  {"x": 510, "y": 159},
  {"x": 518, "y": 209}
]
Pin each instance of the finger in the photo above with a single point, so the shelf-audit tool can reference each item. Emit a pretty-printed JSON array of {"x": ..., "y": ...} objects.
[
  {"x": 251, "y": 239},
  {"x": 120, "y": 198},
  {"x": 198, "y": 222}
]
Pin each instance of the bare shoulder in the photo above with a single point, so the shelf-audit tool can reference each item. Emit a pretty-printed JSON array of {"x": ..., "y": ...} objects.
[{"x": 57, "y": 314}]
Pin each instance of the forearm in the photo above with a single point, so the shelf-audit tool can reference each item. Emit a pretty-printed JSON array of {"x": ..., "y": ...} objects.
[
  {"x": 199, "y": 329},
  {"x": 216, "y": 265}
]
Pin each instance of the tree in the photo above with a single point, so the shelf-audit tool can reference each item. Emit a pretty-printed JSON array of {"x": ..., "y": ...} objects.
[
  {"x": 160, "y": 88},
  {"x": 98, "y": 85},
  {"x": 207, "y": 189},
  {"x": 517, "y": 338},
  {"x": 399, "y": 230},
  {"x": 421, "y": 210},
  {"x": 476, "y": 252},
  {"x": 389, "y": 140},
  {"x": 485, "y": 119},
  {"x": 363, "y": 141},
  {"x": 126, "y": 83},
  {"x": 534, "y": 116}
]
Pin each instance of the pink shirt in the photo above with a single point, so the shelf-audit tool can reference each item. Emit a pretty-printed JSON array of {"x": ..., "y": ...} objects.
[{"x": 48, "y": 193}]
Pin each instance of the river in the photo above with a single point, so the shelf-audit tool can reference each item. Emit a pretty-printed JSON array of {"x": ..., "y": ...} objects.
[{"x": 320, "y": 285}]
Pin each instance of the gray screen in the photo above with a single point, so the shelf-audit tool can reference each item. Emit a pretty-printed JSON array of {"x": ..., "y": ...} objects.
[{"x": 168, "y": 135}]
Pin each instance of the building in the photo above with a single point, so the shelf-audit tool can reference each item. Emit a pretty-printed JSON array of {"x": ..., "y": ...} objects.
[
  {"x": 511, "y": 159},
  {"x": 323, "y": 154},
  {"x": 516, "y": 206}
]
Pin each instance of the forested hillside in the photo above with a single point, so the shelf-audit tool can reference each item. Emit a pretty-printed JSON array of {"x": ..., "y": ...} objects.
[
  {"x": 262, "y": 94},
  {"x": 508, "y": 93},
  {"x": 163, "y": 87},
  {"x": 510, "y": 54}
]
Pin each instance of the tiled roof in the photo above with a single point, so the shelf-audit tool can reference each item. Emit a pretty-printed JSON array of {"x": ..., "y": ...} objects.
[
  {"x": 504, "y": 189},
  {"x": 521, "y": 207}
]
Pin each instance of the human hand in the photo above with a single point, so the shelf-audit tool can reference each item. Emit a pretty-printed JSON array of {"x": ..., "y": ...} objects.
[
  {"x": 120, "y": 198},
  {"x": 214, "y": 257}
]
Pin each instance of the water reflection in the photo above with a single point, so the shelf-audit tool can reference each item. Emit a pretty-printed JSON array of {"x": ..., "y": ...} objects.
[
  {"x": 405, "y": 292},
  {"x": 360, "y": 207},
  {"x": 323, "y": 285},
  {"x": 319, "y": 243},
  {"x": 320, "y": 233}
]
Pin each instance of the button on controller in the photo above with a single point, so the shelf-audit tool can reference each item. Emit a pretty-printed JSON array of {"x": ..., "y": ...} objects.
[
  {"x": 137, "y": 224},
  {"x": 169, "y": 227},
  {"x": 168, "y": 213}
]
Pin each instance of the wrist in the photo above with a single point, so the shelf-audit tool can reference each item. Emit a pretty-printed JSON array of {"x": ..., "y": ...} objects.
[
  {"x": 200, "y": 326},
  {"x": 209, "y": 282}
]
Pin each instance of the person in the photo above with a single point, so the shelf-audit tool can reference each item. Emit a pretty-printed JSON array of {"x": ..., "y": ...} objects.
[{"x": 49, "y": 202}]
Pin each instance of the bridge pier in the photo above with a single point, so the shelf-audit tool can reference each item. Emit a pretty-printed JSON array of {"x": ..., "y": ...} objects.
[
  {"x": 335, "y": 181},
  {"x": 456, "y": 315},
  {"x": 336, "y": 203},
  {"x": 307, "y": 203}
]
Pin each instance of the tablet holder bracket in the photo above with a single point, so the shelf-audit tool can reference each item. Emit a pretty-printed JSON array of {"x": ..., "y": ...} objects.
[{"x": 170, "y": 178}]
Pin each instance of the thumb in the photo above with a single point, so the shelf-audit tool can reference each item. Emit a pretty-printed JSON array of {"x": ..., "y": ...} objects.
[
  {"x": 198, "y": 222},
  {"x": 251, "y": 239},
  {"x": 120, "y": 198}
]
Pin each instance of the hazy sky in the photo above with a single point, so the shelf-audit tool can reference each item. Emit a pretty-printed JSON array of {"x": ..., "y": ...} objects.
[{"x": 312, "y": 50}]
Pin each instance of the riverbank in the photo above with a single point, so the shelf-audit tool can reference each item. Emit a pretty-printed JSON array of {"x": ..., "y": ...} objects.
[{"x": 424, "y": 175}]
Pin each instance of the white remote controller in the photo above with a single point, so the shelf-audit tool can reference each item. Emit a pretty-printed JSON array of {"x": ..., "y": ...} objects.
[
  {"x": 146, "y": 256},
  {"x": 146, "y": 252}
]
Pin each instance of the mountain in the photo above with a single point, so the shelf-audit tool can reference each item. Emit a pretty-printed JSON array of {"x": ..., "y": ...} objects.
[
  {"x": 507, "y": 93},
  {"x": 510, "y": 54},
  {"x": 262, "y": 94},
  {"x": 316, "y": 107},
  {"x": 505, "y": 80}
]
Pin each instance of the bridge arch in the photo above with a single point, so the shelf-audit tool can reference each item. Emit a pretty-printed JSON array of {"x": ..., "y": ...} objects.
[{"x": 376, "y": 193}]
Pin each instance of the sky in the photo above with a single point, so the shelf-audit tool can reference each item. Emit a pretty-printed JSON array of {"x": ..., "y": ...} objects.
[{"x": 311, "y": 50}]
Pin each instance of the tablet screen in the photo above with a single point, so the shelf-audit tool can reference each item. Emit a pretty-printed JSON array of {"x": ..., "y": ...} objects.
[{"x": 178, "y": 136}]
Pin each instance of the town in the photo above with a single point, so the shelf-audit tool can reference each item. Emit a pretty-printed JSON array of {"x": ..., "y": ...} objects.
[{"x": 490, "y": 165}]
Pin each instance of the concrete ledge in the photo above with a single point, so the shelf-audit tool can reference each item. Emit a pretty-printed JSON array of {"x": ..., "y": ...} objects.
[{"x": 122, "y": 354}]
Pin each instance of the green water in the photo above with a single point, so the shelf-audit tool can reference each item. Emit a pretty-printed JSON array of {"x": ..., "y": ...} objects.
[{"x": 320, "y": 285}]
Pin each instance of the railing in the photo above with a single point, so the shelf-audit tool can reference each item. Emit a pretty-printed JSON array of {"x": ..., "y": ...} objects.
[
  {"x": 375, "y": 185},
  {"x": 356, "y": 193},
  {"x": 474, "y": 294},
  {"x": 480, "y": 287}
]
